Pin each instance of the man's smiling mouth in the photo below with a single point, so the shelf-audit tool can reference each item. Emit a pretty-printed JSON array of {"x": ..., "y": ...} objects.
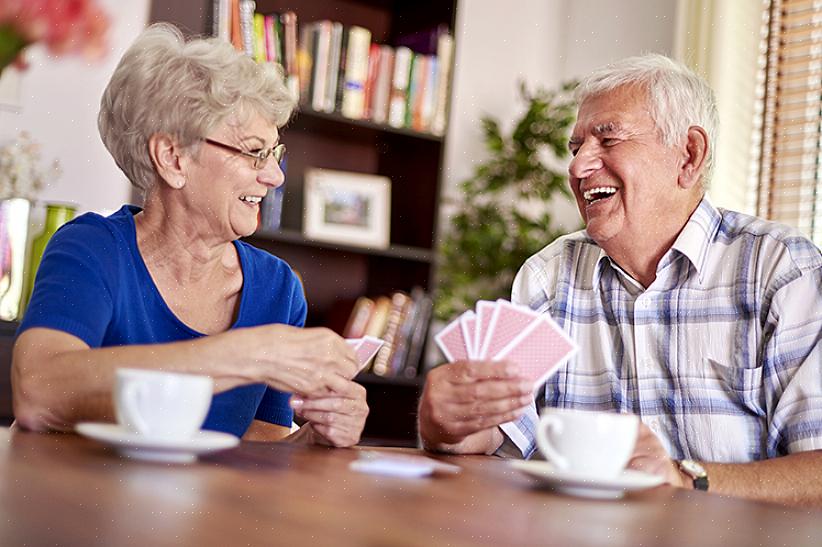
[{"x": 595, "y": 194}]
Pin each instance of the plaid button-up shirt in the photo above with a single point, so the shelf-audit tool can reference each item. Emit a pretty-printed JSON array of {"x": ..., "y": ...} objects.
[{"x": 721, "y": 356}]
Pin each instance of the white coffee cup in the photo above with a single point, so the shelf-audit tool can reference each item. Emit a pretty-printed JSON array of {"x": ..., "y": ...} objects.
[
  {"x": 591, "y": 444},
  {"x": 161, "y": 405}
]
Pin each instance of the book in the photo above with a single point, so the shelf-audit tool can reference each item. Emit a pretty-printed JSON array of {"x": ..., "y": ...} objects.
[
  {"x": 356, "y": 72},
  {"x": 422, "y": 321},
  {"x": 321, "y": 60},
  {"x": 234, "y": 18},
  {"x": 371, "y": 78},
  {"x": 399, "y": 87},
  {"x": 359, "y": 318},
  {"x": 445, "y": 54},
  {"x": 379, "y": 317},
  {"x": 288, "y": 22},
  {"x": 399, "y": 302},
  {"x": 271, "y": 28},
  {"x": 382, "y": 87},
  {"x": 221, "y": 25},
  {"x": 332, "y": 67},
  {"x": 247, "y": 8},
  {"x": 259, "y": 38}
]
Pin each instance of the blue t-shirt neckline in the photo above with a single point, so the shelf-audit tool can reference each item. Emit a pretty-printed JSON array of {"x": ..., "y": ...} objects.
[{"x": 144, "y": 271}]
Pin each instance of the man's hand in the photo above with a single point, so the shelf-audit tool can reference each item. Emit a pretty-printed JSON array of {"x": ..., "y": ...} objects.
[
  {"x": 464, "y": 398},
  {"x": 650, "y": 456},
  {"x": 337, "y": 418}
]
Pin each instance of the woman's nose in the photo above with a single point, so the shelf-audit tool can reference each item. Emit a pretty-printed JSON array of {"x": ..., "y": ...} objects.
[{"x": 271, "y": 174}]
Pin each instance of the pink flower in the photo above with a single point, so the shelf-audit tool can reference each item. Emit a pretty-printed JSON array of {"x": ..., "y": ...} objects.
[{"x": 65, "y": 26}]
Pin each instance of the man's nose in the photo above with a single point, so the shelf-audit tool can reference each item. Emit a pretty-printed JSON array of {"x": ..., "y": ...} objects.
[{"x": 586, "y": 162}]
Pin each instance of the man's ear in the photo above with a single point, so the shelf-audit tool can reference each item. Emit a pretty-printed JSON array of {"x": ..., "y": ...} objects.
[
  {"x": 695, "y": 157},
  {"x": 166, "y": 155}
]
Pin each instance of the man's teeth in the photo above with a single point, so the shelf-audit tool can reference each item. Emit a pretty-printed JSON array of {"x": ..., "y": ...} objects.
[
  {"x": 598, "y": 193},
  {"x": 251, "y": 199}
]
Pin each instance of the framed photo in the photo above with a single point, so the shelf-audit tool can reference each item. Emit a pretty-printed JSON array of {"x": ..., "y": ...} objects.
[{"x": 348, "y": 208}]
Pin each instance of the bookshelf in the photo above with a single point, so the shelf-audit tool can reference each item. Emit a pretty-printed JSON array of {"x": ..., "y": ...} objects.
[{"x": 334, "y": 273}]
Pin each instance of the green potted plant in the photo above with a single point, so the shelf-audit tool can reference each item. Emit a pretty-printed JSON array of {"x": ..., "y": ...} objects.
[{"x": 502, "y": 216}]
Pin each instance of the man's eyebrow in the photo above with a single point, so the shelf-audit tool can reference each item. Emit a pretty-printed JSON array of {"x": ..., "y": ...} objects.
[{"x": 607, "y": 128}]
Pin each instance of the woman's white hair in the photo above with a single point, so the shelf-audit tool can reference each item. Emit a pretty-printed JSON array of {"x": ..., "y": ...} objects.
[
  {"x": 165, "y": 84},
  {"x": 677, "y": 98}
]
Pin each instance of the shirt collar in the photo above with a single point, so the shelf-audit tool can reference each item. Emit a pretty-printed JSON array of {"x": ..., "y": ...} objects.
[{"x": 694, "y": 241}]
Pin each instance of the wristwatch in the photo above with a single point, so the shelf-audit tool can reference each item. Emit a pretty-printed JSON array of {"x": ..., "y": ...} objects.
[{"x": 697, "y": 473}]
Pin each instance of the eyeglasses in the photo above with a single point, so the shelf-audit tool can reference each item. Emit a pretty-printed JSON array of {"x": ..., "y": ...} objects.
[{"x": 278, "y": 151}]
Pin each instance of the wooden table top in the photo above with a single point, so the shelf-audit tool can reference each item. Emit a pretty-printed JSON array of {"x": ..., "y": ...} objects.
[{"x": 62, "y": 489}]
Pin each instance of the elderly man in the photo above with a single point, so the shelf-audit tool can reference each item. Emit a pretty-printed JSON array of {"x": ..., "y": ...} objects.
[{"x": 705, "y": 323}]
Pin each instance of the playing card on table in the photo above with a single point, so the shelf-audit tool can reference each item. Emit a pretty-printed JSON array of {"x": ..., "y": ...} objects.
[
  {"x": 365, "y": 349},
  {"x": 452, "y": 342},
  {"x": 539, "y": 349}
]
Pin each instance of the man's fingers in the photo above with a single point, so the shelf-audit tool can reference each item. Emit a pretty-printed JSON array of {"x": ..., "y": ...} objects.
[{"x": 471, "y": 371}]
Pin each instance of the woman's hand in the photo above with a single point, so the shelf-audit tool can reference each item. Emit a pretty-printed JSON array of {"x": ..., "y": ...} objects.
[
  {"x": 312, "y": 362},
  {"x": 337, "y": 418}
]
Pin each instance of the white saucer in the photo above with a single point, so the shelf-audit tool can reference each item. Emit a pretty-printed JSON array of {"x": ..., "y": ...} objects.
[
  {"x": 582, "y": 485},
  {"x": 140, "y": 447}
]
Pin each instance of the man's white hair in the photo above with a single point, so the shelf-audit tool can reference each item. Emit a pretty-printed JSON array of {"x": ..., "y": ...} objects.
[
  {"x": 677, "y": 97},
  {"x": 165, "y": 84}
]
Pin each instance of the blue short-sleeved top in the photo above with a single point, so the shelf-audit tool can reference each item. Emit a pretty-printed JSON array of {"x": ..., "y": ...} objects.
[{"x": 92, "y": 283}]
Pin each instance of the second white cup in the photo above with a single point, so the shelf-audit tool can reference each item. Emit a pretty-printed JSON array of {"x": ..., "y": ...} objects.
[
  {"x": 592, "y": 444},
  {"x": 162, "y": 405}
]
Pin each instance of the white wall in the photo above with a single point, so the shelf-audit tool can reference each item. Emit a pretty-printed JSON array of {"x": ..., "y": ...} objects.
[
  {"x": 544, "y": 42},
  {"x": 59, "y": 100}
]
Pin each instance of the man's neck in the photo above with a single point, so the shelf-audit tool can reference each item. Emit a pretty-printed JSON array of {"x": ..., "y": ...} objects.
[{"x": 640, "y": 255}]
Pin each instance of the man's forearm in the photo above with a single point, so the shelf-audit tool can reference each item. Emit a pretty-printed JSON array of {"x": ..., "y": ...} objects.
[{"x": 795, "y": 479}]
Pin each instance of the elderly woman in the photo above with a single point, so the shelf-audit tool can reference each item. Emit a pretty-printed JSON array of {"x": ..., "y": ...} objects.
[{"x": 170, "y": 287}]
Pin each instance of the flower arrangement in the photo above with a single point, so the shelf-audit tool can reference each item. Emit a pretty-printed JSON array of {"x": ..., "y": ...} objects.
[
  {"x": 64, "y": 26},
  {"x": 21, "y": 172}
]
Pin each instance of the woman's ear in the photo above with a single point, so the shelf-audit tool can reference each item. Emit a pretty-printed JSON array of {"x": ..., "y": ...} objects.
[
  {"x": 166, "y": 155},
  {"x": 695, "y": 157}
]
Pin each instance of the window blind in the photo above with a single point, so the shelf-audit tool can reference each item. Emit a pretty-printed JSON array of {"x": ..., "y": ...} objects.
[{"x": 790, "y": 162}]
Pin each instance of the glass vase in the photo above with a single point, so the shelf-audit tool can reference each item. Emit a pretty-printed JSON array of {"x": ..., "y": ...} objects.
[
  {"x": 14, "y": 227},
  {"x": 57, "y": 214}
]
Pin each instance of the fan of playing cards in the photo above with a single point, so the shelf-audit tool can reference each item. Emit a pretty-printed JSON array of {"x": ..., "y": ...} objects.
[{"x": 504, "y": 331}]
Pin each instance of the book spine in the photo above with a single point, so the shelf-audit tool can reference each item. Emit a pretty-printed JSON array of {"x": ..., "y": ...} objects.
[
  {"x": 330, "y": 98},
  {"x": 381, "y": 361},
  {"x": 371, "y": 79},
  {"x": 399, "y": 87},
  {"x": 259, "y": 38},
  {"x": 321, "y": 62},
  {"x": 236, "y": 30},
  {"x": 289, "y": 52},
  {"x": 359, "y": 318},
  {"x": 421, "y": 323},
  {"x": 382, "y": 88},
  {"x": 247, "y": 8},
  {"x": 270, "y": 35},
  {"x": 445, "y": 55},
  {"x": 356, "y": 71}
]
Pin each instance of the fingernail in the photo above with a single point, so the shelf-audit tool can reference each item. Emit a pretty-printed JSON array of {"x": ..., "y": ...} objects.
[{"x": 296, "y": 402}]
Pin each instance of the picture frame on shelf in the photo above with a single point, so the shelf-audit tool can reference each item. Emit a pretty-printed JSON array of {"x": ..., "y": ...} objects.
[{"x": 347, "y": 208}]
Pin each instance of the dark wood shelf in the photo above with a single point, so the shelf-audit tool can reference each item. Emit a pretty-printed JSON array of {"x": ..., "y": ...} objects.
[
  {"x": 337, "y": 118},
  {"x": 293, "y": 237},
  {"x": 367, "y": 378}
]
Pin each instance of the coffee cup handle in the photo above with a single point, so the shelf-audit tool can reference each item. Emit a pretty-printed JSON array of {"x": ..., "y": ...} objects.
[
  {"x": 131, "y": 393},
  {"x": 547, "y": 424}
]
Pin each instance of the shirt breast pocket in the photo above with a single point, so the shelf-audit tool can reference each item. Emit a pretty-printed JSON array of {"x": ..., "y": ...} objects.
[{"x": 742, "y": 385}]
